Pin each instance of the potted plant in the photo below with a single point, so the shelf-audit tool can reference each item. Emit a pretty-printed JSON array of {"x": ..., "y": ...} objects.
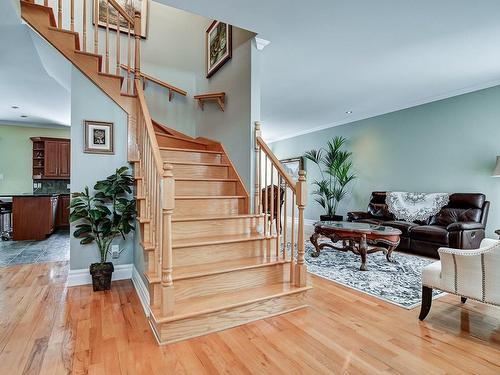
[
  {"x": 103, "y": 216},
  {"x": 335, "y": 167}
]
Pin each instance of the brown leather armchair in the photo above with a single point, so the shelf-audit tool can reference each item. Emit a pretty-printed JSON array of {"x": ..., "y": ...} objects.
[{"x": 460, "y": 224}]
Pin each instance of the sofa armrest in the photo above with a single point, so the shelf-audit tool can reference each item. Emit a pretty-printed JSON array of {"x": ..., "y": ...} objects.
[
  {"x": 470, "y": 225},
  {"x": 357, "y": 215}
]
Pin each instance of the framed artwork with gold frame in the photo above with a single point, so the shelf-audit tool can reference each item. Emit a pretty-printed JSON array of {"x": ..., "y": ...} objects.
[
  {"x": 98, "y": 137},
  {"x": 218, "y": 46},
  {"x": 130, "y": 6}
]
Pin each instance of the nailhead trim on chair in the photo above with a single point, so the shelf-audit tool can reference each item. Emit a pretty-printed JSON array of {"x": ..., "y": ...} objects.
[
  {"x": 456, "y": 273},
  {"x": 483, "y": 272}
]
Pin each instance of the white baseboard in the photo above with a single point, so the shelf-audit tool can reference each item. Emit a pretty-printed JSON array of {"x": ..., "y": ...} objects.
[
  {"x": 142, "y": 291},
  {"x": 82, "y": 276}
]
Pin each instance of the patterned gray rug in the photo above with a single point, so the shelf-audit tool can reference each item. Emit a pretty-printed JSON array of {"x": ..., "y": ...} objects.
[{"x": 398, "y": 282}]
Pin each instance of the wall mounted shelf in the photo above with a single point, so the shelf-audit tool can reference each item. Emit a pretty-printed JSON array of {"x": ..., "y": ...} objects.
[{"x": 219, "y": 97}]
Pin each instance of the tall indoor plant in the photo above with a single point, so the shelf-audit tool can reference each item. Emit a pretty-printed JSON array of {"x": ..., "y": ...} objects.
[
  {"x": 335, "y": 168},
  {"x": 103, "y": 216}
]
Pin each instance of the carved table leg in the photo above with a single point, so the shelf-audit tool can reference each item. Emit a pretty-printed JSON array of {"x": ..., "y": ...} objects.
[
  {"x": 388, "y": 254},
  {"x": 314, "y": 241},
  {"x": 363, "y": 247}
]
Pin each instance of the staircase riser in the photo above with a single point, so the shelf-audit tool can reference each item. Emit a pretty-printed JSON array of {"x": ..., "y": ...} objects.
[
  {"x": 217, "y": 321},
  {"x": 208, "y": 207},
  {"x": 205, "y": 188},
  {"x": 195, "y": 255},
  {"x": 178, "y": 143},
  {"x": 220, "y": 227},
  {"x": 229, "y": 281},
  {"x": 198, "y": 157},
  {"x": 200, "y": 171}
]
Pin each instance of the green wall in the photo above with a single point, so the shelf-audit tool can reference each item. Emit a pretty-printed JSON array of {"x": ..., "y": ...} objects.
[
  {"x": 15, "y": 156},
  {"x": 445, "y": 146}
]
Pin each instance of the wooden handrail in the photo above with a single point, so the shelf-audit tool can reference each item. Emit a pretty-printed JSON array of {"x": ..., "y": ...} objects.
[
  {"x": 270, "y": 202},
  {"x": 158, "y": 82},
  {"x": 276, "y": 163},
  {"x": 122, "y": 11},
  {"x": 149, "y": 127}
]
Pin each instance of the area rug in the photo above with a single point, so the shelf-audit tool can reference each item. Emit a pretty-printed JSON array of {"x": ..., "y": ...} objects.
[{"x": 398, "y": 282}]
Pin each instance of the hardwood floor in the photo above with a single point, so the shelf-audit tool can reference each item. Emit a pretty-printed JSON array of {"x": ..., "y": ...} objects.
[{"x": 47, "y": 328}]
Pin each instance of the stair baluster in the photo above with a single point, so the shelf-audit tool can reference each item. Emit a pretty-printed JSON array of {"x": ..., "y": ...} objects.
[{"x": 298, "y": 193}]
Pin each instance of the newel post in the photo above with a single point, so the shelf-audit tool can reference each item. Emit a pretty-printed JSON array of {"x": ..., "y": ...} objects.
[
  {"x": 168, "y": 203},
  {"x": 300, "y": 267},
  {"x": 256, "y": 205},
  {"x": 137, "y": 36}
]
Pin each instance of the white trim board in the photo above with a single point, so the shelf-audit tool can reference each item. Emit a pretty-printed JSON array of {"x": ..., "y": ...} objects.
[
  {"x": 82, "y": 276},
  {"x": 142, "y": 291}
]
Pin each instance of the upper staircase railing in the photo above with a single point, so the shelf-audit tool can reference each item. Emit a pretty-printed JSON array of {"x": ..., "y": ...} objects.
[
  {"x": 280, "y": 189},
  {"x": 75, "y": 16}
]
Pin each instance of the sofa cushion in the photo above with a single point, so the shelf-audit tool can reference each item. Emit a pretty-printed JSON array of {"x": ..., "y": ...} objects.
[
  {"x": 403, "y": 226},
  {"x": 461, "y": 207},
  {"x": 377, "y": 206},
  {"x": 430, "y": 233}
]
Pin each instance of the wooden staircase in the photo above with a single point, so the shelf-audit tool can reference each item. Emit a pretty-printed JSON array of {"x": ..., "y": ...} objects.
[
  {"x": 211, "y": 261},
  {"x": 225, "y": 270}
]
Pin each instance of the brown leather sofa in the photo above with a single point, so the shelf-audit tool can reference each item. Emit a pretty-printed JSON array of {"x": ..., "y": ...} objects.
[{"x": 460, "y": 224}]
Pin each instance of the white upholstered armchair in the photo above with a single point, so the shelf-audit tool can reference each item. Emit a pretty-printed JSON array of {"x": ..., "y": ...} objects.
[{"x": 471, "y": 274}]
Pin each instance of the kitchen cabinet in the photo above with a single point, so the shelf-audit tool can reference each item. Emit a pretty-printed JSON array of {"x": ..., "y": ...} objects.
[
  {"x": 33, "y": 217},
  {"x": 62, "y": 216},
  {"x": 51, "y": 158}
]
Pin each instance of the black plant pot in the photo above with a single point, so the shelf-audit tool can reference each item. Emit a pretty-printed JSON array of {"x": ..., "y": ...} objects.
[
  {"x": 331, "y": 218},
  {"x": 101, "y": 275}
]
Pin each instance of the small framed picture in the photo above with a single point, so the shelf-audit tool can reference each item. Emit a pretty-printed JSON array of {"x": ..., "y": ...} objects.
[
  {"x": 98, "y": 137},
  {"x": 219, "y": 46},
  {"x": 293, "y": 166}
]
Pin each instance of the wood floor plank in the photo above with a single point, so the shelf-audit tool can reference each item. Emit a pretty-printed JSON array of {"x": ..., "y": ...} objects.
[{"x": 47, "y": 328}]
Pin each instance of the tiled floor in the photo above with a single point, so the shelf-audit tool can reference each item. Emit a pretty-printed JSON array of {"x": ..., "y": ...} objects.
[{"x": 53, "y": 249}]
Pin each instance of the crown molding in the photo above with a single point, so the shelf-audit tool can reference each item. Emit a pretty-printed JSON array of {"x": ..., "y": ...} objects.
[{"x": 261, "y": 43}]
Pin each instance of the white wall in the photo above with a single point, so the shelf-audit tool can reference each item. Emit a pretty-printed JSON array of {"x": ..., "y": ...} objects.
[{"x": 88, "y": 102}]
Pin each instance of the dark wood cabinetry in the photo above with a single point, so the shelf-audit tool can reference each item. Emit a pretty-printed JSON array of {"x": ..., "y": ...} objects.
[
  {"x": 51, "y": 158},
  {"x": 62, "y": 216}
]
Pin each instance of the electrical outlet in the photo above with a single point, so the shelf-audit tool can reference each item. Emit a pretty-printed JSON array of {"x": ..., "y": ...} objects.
[{"x": 115, "y": 251}]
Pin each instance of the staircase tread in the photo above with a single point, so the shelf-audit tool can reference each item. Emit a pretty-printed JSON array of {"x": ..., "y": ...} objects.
[
  {"x": 206, "y": 218},
  {"x": 111, "y": 75},
  {"x": 44, "y": 8},
  {"x": 218, "y": 239},
  {"x": 181, "y": 138},
  {"x": 210, "y": 197},
  {"x": 207, "y": 269},
  {"x": 207, "y": 304},
  {"x": 74, "y": 33},
  {"x": 190, "y": 150},
  {"x": 199, "y": 163}
]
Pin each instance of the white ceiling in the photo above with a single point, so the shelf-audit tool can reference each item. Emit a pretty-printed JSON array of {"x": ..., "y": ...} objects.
[
  {"x": 33, "y": 76},
  {"x": 369, "y": 57}
]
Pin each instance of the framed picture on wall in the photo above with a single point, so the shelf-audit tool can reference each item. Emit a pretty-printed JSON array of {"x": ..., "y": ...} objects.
[
  {"x": 218, "y": 46},
  {"x": 293, "y": 166},
  {"x": 130, "y": 6},
  {"x": 98, "y": 137}
]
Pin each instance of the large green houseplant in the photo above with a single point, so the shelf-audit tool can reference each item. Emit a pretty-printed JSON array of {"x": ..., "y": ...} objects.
[
  {"x": 335, "y": 167},
  {"x": 102, "y": 216}
]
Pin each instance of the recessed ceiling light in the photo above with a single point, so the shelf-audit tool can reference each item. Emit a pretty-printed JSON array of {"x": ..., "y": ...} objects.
[
  {"x": 24, "y": 116},
  {"x": 348, "y": 112},
  {"x": 14, "y": 107}
]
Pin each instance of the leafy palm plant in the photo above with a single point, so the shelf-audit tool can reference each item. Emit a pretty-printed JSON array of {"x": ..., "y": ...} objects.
[
  {"x": 106, "y": 214},
  {"x": 335, "y": 166}
]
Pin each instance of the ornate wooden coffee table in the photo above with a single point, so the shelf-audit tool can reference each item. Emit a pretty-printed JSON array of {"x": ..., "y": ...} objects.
[{"x": 356, "y": 237}]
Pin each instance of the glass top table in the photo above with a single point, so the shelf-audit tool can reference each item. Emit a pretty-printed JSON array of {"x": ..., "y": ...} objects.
[
  {"x": 357, "y": 227},
  {"x": 360, "y": 238}
]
